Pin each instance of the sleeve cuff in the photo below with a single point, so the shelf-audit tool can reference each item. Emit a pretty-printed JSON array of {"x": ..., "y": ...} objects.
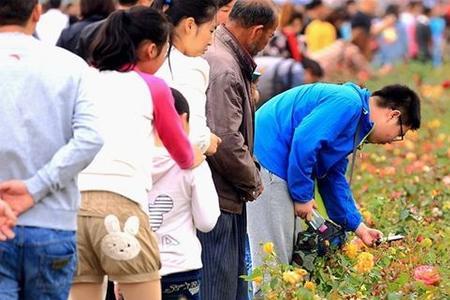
[
  {"x": 353, "y": 222},
  {"x": 37, "y": 187}
]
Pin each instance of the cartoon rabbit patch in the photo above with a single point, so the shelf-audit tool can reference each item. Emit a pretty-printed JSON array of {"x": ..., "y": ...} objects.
[{"x": 120, "y": 245}]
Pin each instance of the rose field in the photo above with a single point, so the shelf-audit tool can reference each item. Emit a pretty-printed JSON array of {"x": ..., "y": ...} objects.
[{"x": 401, "y": 188}]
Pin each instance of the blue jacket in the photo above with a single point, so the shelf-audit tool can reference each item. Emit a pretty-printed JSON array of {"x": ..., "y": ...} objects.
[{"x": 306, "y": 133}]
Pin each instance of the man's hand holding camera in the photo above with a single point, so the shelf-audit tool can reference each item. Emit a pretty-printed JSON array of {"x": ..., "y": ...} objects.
[
  {"x": 368, "y": 235},
  {"x": 305, "y": 210}
]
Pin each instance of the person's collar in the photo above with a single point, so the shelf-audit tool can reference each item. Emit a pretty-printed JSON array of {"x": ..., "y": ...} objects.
[{"x": 246, "y": 61}]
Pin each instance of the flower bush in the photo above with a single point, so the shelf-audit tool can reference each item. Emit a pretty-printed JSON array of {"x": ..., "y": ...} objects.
[{"x": 401, "y": 188}]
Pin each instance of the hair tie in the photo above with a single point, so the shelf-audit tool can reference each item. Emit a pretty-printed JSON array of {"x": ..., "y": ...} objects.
[{"x": 167, "y": 2}]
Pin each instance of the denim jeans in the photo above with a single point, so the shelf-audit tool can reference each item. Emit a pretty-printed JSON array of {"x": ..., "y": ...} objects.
[
  {"x": 38, "y": 263},
  {"x": 181, "y": 286}
]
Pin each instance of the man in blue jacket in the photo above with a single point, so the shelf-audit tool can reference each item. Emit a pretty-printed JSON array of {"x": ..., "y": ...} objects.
[{"x": 302, "y": 137}]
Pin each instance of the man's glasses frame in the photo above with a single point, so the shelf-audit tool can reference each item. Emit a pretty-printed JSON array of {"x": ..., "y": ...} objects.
[{"x": 399, "y": 138}]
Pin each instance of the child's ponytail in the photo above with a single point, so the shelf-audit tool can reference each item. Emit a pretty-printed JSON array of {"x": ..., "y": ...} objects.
[{"x": 115, "y": 47}]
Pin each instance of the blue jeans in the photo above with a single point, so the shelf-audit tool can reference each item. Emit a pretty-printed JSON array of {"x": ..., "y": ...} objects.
[
  {"x": 184, "y": 285},
  {"x": 38, "y": 263}
]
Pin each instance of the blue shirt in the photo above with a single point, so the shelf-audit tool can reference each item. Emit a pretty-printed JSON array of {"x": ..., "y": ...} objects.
[{"x": 306, "y": 133}]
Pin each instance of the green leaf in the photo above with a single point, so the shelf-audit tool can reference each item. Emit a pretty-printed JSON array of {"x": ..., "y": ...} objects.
[
  {"x": 404, "y": 214},
  {"x": 402, "y": 279}
]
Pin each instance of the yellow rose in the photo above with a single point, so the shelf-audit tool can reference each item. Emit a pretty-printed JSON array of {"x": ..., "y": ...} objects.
[
  {"x": 310, "y": 286},
  {"x": 351, "y": 250},
  {"x": 446, "y": 205},
  {"x": 364, "y": 263},
  {"x": 434, "y": 124},
  {"x": 258, "y": 280},
  {"x": 301, "y": 271},
  {"x": 268, "y": 248},
  {"x": 426, "y": 243},
  {"x": 291, "y": 277},
  {"x": 411, "y": 156},
  {"x": 271, "y": 296}
]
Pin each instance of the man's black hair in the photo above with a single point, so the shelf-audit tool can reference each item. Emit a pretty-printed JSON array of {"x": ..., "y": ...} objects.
[
  {"x": 401, "y": 98},
  {"x": 54, "y": 3},
  {"x": 128, "y": 2},
  {"x": 250, "y": 13},
  {"x": 221, "y": 3},
  {"x": 16, "y": 12},
  {"x": 313, "y": 4}
]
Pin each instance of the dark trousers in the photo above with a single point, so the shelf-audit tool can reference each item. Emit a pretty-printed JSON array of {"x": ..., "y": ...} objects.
[
  {"x": 223, "y": 257},
  {"x": 181, "y": 286}
]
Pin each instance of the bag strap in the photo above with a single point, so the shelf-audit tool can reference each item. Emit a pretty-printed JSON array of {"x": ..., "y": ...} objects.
[
  {"x": 355, "y": 148},
  {"x": 291, "y": 74},
  {"x": 276, "y": 84}
]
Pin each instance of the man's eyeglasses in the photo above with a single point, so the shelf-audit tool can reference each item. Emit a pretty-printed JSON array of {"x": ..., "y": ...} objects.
[{"x": 399, "y": 137}]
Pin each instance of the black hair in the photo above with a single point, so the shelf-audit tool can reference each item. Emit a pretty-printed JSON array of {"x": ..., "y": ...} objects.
[
  {"x": 338, "y": 15},
  {"x": 16, "y": 12},
  {"x": 202, "y": 11},
  {"x": 250, "y": 13},
  {"x": 128, "y": 2},
  {"x": 313, "y": 4},
  {"x": 54, "y": 3},
  {"x": 181, "y": 104},
  {"x": 392, "y": 9},
  {"x": 221, "y": 3},
  {"x": 313, "y": 66},
  {"x": 102, "y": 8},
  {"x": 401, "y": 98},
  {"x": 115, "y": 46}
]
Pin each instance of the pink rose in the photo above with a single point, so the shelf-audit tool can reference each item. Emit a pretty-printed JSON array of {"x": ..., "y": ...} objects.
[{"x": 427, "y": 274}]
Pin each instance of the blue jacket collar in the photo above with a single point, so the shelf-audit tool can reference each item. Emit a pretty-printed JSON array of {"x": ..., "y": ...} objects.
[{"x": 366, "y": 125}]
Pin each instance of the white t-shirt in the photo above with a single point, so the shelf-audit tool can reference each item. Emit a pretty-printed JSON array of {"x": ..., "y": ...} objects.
[{"x": 50, "y": 26}]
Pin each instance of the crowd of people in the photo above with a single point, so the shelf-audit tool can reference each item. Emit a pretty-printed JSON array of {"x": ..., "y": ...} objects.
[{"x": 157, "y": 144}]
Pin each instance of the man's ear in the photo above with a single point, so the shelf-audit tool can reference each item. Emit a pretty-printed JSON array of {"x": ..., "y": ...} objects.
[
  {"x": 36, "y": 13},
  {"x": 256, "y": 32}
]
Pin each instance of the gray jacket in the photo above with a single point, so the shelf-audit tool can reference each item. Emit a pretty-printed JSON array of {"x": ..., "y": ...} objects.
[{"x": 230, "y": 115}]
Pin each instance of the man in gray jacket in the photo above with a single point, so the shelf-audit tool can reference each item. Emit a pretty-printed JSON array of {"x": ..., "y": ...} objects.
[
  {"x": 230, "y": 110},
  {"x": 47, "y": 136}
]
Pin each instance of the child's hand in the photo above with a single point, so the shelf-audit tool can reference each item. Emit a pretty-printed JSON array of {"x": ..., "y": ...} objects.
[
  {"x": 305, "y": 210},
  {"x": 198, "y": 157},
  {"x": 368, "y": 235}
]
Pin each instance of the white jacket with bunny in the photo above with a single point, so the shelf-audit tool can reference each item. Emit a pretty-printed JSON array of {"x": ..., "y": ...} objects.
[{"x": 180, "y": 202}]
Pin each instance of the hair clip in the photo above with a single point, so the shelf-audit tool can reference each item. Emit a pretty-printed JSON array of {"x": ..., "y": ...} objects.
[{"x": 167, "y": 2}]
